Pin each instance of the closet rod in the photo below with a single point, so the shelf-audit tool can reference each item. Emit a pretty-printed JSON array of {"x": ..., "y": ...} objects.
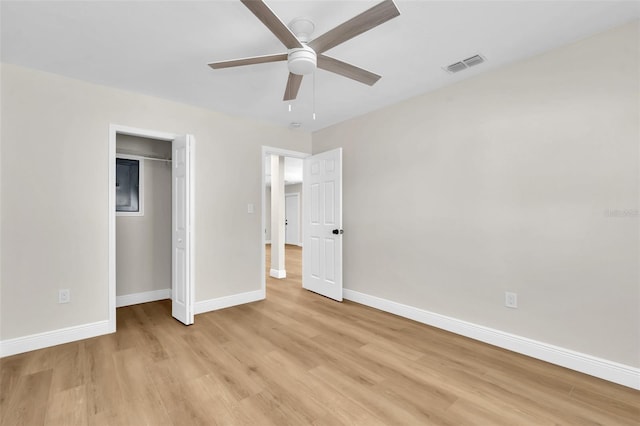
[
  {"x": 155, "y": 159},
  {"x": 144, "y": 157}
]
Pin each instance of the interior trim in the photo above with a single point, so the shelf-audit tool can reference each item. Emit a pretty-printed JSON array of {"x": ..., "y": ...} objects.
[{"x": 604, "y": 369}]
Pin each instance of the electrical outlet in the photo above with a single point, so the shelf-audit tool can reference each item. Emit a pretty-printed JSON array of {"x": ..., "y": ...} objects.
[
  {"x": 64, "y": 295},
  {"x": 510, "y": 299}
]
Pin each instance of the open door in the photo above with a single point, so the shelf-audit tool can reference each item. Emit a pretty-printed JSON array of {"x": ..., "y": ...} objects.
[
  {"x": 182, "y": 292},
  {"x": 322, "y": 224}
]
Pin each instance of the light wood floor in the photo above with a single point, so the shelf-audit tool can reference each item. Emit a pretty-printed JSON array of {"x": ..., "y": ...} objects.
[{"x": 296, "y": 358}]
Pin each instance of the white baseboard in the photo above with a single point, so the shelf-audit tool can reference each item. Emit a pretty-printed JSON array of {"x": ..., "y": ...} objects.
[
  {"x": 53, "y": 338},
  {"x": 584, "y": 363},
  {"x": 228, "y": 301},
  {"x": 278, "y": 273},
  {"x": 144, "y": 297}
]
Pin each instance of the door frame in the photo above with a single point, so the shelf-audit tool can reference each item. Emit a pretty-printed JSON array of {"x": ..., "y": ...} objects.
[
  {"x": 268, "y": 150},
  {"x": 115, "y": 130}
]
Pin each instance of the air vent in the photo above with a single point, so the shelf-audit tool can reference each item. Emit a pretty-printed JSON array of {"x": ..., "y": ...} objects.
[
  {"x": 464, "y": 64},
  {"x": 458, "y": 66},
  {"x": 474, "y": 60}
]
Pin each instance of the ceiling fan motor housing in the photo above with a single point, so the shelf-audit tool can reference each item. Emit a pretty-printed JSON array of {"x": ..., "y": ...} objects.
[{"x": 302, "y": 60}]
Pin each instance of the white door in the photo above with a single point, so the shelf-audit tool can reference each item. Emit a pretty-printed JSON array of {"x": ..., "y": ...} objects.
[
  {"x": 322, "y": 224},
  {"x": 182, "y": 296},
  {"x": 292, "y": 218}
]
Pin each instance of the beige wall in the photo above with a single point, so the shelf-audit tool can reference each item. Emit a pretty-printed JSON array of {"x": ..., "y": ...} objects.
[
  {"x": 143, "y": 243},
  {"x": 54, "y": 195},
  {"x": 503, "y": 182}
]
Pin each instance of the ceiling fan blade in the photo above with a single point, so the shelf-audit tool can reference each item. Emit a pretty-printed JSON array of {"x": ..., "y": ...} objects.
[
  {"x": 271, "y": 21},
  {"x": 293, "y": 85},
  {"x": 371, "y": 18},
  {"x": 347, "y": 70},
  {"x": 248, "y": 61}
]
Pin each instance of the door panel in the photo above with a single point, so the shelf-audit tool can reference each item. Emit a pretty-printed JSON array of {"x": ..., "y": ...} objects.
[
  {"x": 329, "y": 203},
  {"x": 315, "y": 202},
  {"x": 182, "y": 293},
  {"x": 292, "y": 218},
  {"x": 322, "y": 213}
]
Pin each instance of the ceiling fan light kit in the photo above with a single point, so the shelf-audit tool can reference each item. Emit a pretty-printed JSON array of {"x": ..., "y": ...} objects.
[
  {"x": 302, "y": 61},
  {"x": 304, "y": 55}
]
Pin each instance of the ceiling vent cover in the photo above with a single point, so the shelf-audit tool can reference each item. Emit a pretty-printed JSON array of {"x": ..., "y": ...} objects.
[
  {"x": 474, "y": 60},
  {"x": 464, "y": 64},
  {"x": 458, "y": 66}
]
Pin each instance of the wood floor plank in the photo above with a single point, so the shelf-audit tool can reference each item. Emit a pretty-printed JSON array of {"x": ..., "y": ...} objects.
[
  {"x": 69, "y": 367},
  {"x": 375, "y": 402},
  {"x": 27, "y": 404},
  {"x": 68, "y": 407},
  {"x": 102, "y": 389},
  {"x": 11, "y": 369},
  {"x": 296, "y": 358},
  {"x": 341, "y": 411},
  {"x": 219, "y": 364}
]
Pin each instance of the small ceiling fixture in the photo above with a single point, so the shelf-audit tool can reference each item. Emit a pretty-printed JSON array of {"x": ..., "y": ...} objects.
[{"x": 464, "y": 64}]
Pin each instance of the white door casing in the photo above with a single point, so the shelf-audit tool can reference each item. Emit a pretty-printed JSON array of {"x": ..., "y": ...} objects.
[
  {"x": 189, "y": 299},
  {"x": 266, "y": 152},
  {"x": 182, "y": 286},
  {"x": 322, "y": 224},
  {"x": 292, "y": 218}
]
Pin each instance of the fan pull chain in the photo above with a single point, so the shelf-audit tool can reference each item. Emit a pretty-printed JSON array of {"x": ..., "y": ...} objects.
[
  {"x": 314, "y": 95},
  {"x": 289, "y": 93}
]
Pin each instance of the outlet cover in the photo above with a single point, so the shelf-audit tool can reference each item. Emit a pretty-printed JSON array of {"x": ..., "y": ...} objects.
[
  {"x": 510, "y": 299},
  {"x": 64, "y": 295}
]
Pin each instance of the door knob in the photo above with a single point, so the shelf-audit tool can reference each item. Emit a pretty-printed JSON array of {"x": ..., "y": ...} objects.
[{"x": 338, "y": 231}]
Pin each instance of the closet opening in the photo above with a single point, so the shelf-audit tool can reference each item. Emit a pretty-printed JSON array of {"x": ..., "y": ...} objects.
[
  {"x": 151, "y": 220},
  {"x": 143, "y": 220}
]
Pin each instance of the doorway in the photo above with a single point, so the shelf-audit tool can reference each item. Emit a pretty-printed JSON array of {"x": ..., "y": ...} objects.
[
  {"x": 181, "y": 218},
  {"x": 143, "y": 220},
  {"x": 290, "y": 219},
  {"x": 320, "y": 224}
]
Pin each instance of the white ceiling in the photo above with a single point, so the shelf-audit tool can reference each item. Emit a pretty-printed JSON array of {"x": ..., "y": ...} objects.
[{"x": 162, "y": 48}]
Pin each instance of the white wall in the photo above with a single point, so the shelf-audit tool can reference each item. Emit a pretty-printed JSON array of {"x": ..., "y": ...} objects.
[
  {"x": 503, "y": 182},
  {"x": 54, "y": 195},
  {"x": 143, "y": 243}
]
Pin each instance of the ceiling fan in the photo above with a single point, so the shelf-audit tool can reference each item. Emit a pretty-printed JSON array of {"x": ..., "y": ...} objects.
[{"x": 304, "y": 55}]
